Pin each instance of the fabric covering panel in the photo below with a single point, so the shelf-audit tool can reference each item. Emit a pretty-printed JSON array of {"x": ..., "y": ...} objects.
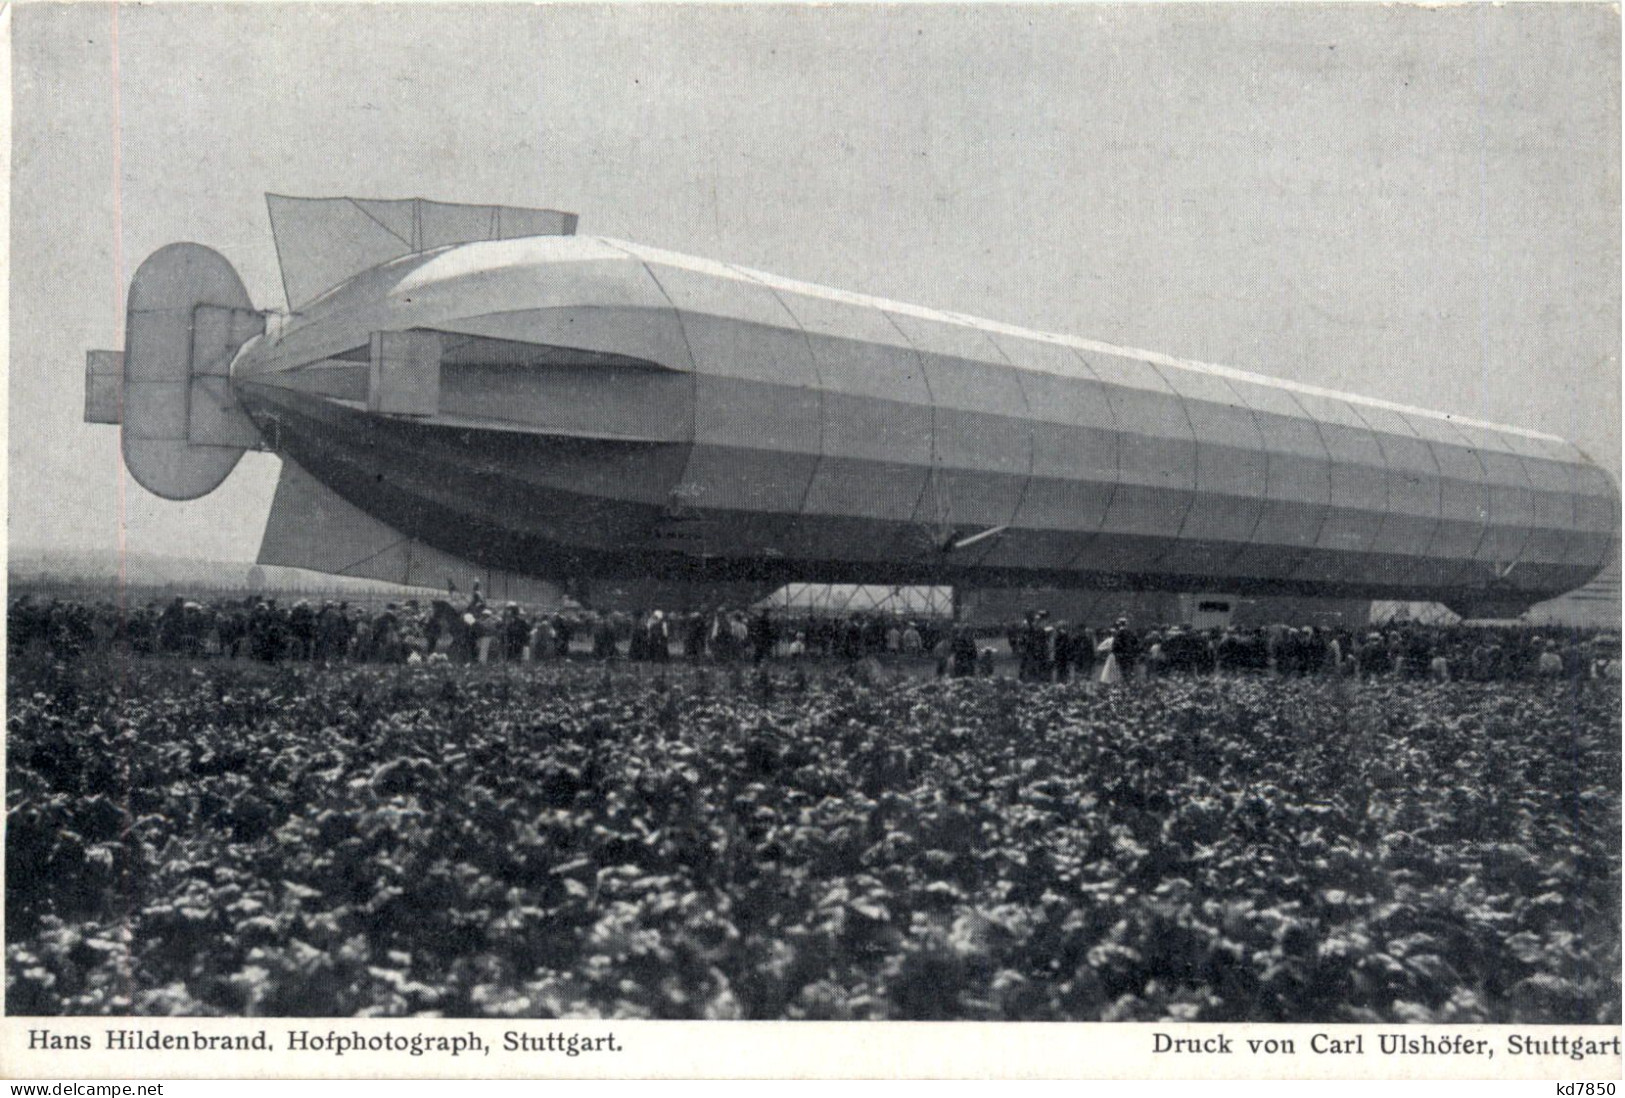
[
  {"x": 404, "y": 373},
  {"x": 870, "y": 467},
  {"x": 321, "y": 242},
  {"x": 1594, "y": 538},
  {"x": 216, "y": 419},
  {"x": 1596, "y": 518},
  {"x": 1156, "y": 485},
  {"x": 718, "y": 291},
  {"x": 1413, "y": 490},
  {"x": 1508, "y": 507},
  {"x": 512, "y": 279},
  {"x": 156, "y": 411},
  {"x": 756, "y": 393},
  {"x": 1298, "y": 483},
  {"x": 1463, "y": 505},
  {"x": 589, "y": 402},
  {"x": 1551, "y": 468},
  {"x": 531, "y": 277},
  {"x": 441, "y": 224},
  {"x": 758, "y": 407},
  {"x": 982, "y": 464},
  {"x": 982, "y": 438},
  {"x": 860, "y": 351},
  {"x": 649, "y": 334},
  {"x": 877, "y": 420},
  {"x": 1231, "y": 473},
  {"x": 1511, "y": 507},
  {"x": 1432, "y": 566},
  {"x": 520, "y": 275},
  {"x": 1074, "y": 457},
  {"x": 1358, "y": 499},
  {"x": 335, "y": 378},
  {"x": 1556, "y": 507},
  {"x": 399, "y": 218}
]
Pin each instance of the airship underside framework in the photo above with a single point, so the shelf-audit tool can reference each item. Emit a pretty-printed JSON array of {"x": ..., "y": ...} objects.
[{"x": 565, "y": 406}]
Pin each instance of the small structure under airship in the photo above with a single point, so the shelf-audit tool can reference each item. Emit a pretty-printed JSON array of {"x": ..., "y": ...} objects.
[{"x": 461, "y": 391}]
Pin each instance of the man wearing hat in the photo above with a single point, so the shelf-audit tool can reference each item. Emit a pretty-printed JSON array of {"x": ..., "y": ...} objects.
[{"x": 1126, "y": 646}]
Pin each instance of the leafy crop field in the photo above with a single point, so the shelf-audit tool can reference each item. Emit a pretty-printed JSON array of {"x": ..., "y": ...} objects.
[{"x": 574, "y": 841}]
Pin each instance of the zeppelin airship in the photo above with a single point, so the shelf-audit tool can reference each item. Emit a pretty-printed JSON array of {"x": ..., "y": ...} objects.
[{"x": 479, "y": 391}]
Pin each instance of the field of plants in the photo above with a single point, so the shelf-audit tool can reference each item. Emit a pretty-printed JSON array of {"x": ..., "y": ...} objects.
[{"x": 197, "y": 838}]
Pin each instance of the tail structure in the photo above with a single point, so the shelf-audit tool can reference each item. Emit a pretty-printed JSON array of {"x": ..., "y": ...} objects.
[{"x": 187, "y": 316}]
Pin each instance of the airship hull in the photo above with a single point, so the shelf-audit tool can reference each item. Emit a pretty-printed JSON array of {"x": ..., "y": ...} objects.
[
  {"x": 513, "y": 515},
  {"x": 567, "y": 406}
]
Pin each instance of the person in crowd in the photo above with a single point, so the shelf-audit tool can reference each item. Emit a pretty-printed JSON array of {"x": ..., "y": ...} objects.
[
  {"x": 697, "y": 631},
  {"x": 1128, "y": 648},
  {"x": 985, "y": 662},
  {"x": 486, "y": 629},
  {"x": 543, "y": 640},
  {"x": 515, "y": 633},
  {"x": 762, "y": 637},
  {"x": 657, "y": 642},
  {"x": 962, "y": 652},
  {"x": 638, "y": 638},
  {"x": 564, "y": 631},
  {"x": 604, "y": 645},
  {"x": 385, "y": 641},
  {"x": 233, "y": 626},
  {"x": 911, "y": 641},
  {"x": 850, "y": 643},
  {"x": 261, "y": 629},
  {"x": 942, "y": 652},
  {"x": 1111, "y": 668},
  {"x": 1031, "y": 648},
  {"x": 1185, "y": 652},
  {"x": 172, "y": 627},
  {"x": 1154, "y": 661},
  {"x": 414, "y": 639},
  {"x": 1439, "y": 669},
  {"x": 302, "y": 631},
  {"x": 1061, "y": 652},
  {"x": 1084, "y": 643}
]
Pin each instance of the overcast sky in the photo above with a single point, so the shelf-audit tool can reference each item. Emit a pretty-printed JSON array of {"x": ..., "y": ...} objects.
[{"x": 1415, "y": 204}]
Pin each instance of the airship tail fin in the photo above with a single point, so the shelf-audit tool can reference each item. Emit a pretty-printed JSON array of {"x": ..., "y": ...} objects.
[
  {"x": 313, "y": 527},
  {"x": 170, "y": 388},
  {"x": 321, "y": 242}
]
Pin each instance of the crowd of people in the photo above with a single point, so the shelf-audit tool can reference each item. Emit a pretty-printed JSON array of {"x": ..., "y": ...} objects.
[
  {"x": 1041, "y": 650},
  {"x": 1057, "y": 652}
]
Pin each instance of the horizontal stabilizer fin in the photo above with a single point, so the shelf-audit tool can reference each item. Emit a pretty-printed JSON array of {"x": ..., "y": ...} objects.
[
  {"x": 321, "y": 242},
  {"x": 104, "y": 386},
  {"x": 313, "y": 527}
]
